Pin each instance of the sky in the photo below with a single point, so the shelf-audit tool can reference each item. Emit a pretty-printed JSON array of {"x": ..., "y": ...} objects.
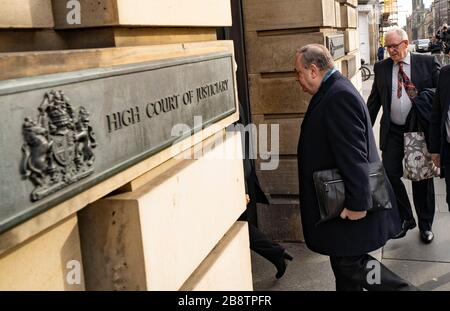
[{"x": 405, "y": 9}]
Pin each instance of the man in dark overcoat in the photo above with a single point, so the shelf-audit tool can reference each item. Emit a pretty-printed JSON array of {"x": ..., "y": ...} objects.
[{"x": 337, "y": 133}]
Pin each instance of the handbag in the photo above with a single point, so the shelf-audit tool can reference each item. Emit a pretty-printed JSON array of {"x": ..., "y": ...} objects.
[
  {"x": 417, "y": 162},
  {"x": 330, "y": 191}
]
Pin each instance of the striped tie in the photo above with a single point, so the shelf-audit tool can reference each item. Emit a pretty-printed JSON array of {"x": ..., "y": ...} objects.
[{"x": 403, "y": 80}]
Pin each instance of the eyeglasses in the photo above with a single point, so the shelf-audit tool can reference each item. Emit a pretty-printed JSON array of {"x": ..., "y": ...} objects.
[{"x": 394, "y": 46}]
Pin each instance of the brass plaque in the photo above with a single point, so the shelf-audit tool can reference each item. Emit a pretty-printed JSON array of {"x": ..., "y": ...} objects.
[{"x": 63, "y": 133}]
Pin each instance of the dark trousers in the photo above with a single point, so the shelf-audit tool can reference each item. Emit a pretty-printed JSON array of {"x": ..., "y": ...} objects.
[
  {"x": 259, "y": 242},
  {"x": 357, "y": 273},
  {"x": 423, "y": 191},
  {"x": 264, "y": 247},
  {"x": 445, "y": 161}
]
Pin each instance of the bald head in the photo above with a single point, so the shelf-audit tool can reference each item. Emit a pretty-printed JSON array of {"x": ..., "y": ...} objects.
[
  {"x": 316, "y": 54},
  {"x": 312, "y": 62}
]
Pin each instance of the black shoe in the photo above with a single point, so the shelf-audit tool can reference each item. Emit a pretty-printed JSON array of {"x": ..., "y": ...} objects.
[
  {"x": 407, "y": 225},
  {"x": 282, "y": 264},
  {"x": 426, "y": 236}
]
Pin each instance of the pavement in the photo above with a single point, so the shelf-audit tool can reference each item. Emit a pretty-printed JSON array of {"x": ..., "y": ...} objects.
[{"x": 425, "y": 266}]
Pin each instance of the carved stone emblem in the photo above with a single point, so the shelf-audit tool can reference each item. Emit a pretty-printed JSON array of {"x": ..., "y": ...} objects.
[
  {"x": 58, "y": 148},
  {"x": 335, "y": 44},
  {"x": 332, "y": 48}
]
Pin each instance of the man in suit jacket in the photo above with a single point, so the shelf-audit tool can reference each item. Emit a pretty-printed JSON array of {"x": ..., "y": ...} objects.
[
  {"x": 397, "y": 79},
  {"x": 337, "y": 133},
  {"x": 440, "y": 127}
]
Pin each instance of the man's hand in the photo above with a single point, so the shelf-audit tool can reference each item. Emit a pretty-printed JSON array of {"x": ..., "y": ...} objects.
[
  {"x": 352, "y": 215},
  {"x": 436, "y": 159},
  {"x": 247, "y": 199}
]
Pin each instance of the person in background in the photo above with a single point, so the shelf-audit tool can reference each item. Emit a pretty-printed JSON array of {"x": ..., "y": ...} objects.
[
  {"x": 440, "y": 128},
  {"x": 398, "y": 79},
  {"x": 259, "y": 242},
  {"x": 380, "y": 54},
  {"x": 436, "y": 46},
  {"x": 446, "y": 39},
  {"x": 443, "y": 35}
]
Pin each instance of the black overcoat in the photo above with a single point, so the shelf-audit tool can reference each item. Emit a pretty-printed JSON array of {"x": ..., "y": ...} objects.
[
  {"x": 337, "y": 133},
  {"x": 439, "y": 115}
]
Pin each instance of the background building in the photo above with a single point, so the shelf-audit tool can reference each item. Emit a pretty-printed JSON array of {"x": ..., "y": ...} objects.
[
  {"x": 443, "y": 11},
  {"x": 423, "y": 23},
  {"x": 369, "y": 25},
  {"x": 418, "y": 25},
  {"x": 429, "y": 25}
]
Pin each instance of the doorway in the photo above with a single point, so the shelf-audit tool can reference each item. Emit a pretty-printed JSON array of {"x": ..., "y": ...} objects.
[{"x": 364, "y": 38}]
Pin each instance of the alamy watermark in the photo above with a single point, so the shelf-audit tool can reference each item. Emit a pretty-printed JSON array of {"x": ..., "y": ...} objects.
[
  {"x": 73, "y": 276},
  {"x": 73, "y": 16},
  {"x": 257, "y": 142},
  {"x": 374, "y": 275}
]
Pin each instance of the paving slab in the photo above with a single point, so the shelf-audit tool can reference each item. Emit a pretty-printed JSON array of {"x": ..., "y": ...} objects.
[
  {"x": 307, "y": 272},
  {"x": 411, "y": 247},
  {"x": 439, "y": 186},
  {"x": 441, "y": 203},
  {"x": 427, "y": 276}
]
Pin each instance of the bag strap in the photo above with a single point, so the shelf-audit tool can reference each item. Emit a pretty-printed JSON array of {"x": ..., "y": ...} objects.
[
  {"x": 414, "y": 125},
  {"x": 412, "y": 121}
]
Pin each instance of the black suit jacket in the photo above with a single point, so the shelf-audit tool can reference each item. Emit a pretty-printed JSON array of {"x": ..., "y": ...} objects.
[
  {"x": 337, "y": 133},
  {"x": 438, "y": 133},
  {"x": 424, "y": 74}
]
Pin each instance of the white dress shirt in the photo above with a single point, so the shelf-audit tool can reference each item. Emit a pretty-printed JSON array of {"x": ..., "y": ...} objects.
[{"x": 400, "y": 107}]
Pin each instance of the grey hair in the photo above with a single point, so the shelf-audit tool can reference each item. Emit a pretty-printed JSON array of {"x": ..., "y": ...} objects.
[
  {"x": 316, "y": 54},
  {"x": 399, "y": 31}
]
